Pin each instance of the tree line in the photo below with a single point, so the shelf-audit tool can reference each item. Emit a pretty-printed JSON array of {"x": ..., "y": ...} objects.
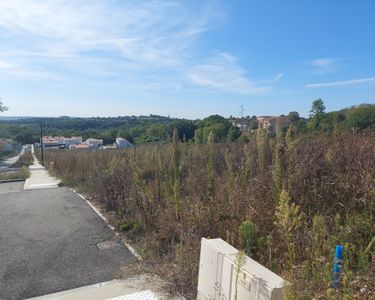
[{"x": 156, "y": 129}]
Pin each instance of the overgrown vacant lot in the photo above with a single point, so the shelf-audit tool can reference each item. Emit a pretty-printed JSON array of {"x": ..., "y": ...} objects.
[{"x": 287, "y": 201}]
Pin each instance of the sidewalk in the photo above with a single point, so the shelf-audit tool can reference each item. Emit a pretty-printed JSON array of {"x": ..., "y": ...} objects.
[
  {"x": 39, "y": 178},
  {"x": 139, "y": 287}
]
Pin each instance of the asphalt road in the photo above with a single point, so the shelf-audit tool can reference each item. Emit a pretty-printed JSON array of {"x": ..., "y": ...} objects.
[
  {"x": 10, "y": 161},
  {"x": 6, "y": 164},
  {"x": 49, "y": 243}
]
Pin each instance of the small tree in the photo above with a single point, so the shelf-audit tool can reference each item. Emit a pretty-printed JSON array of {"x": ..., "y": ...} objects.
[
  {"x": 317, "y": 109},
  {"x": 3, "y": 107},
  {"x": 317, "y": 113},
  {"x": 293, "y": 116},
  {"x": 233, "y": 134},
  {"x": 250, "y": 238}
]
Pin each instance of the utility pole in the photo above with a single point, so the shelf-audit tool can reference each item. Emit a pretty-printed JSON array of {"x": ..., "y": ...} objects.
[
  {"x": 242, "y": 111},
  {"x": 41, "y": 144}
]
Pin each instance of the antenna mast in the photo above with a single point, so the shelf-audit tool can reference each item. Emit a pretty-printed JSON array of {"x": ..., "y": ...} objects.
[{"x": 242, "y": 111}]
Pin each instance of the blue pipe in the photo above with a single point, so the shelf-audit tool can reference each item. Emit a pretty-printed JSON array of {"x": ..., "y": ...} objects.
[{"x": 337, "y": 265}]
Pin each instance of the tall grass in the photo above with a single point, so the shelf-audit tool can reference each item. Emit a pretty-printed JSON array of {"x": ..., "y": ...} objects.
[
  {"x": 26, "y": 159},
  {"x": 293, "y": 198},
  {"x": 19, "y": 174}
]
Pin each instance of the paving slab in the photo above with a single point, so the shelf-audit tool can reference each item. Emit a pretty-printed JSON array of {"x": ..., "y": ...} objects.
[
  {"x": 143, "y": 286},
  {"x": 39, "y": 178}
]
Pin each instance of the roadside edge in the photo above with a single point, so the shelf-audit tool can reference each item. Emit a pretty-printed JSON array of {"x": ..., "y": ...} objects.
[{"x": 127, "y": 245}]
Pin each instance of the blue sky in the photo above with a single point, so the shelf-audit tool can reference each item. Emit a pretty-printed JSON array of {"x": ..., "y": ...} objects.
[{"x": 185, "y": 58}]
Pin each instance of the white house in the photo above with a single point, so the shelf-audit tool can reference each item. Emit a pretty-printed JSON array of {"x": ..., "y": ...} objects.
[
  {"x": 122, "y": 143},
  {"x": 50, "y": 142},
  {"x": 74, "y": 140},
  {"x": 82, "y": 147},
  {"x": 94, "y": 143}
]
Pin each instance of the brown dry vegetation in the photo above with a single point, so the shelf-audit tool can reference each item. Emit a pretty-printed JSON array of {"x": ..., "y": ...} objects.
[{"x": 285, "y": 200}]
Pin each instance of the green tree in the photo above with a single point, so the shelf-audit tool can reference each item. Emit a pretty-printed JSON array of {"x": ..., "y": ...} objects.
[
  {"x": 216, "y": 124},
  {"x": 125, "y": 134},
  {"x": 233, "y": 134},
  {"x": 198, "y": 136},
  {"x": 317, "y": 109},
  {"x": 2, "y": 107},
  {"x": 317, "y": 113},
  {"x": 218, "y": 131},
  {"x": 185, "y": 129},
  {"x": 361, "y": 117},
  {"x": 253, "y": 123},
  {"x": 293, "y": 116}
]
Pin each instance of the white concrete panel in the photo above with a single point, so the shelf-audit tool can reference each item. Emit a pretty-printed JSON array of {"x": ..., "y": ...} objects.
[{"x": 218, "y": 275}]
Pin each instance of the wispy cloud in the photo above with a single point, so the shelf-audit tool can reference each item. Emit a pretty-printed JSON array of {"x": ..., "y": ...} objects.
[
  {"x": 224, "y": 73},
  {"x": 19, "y": 71},
  {"x": 142, "y": 44},
  {"x": 341, "y": 83},
  {"x": 141, "y": 35},
  {"x": 323, "y": 65}
]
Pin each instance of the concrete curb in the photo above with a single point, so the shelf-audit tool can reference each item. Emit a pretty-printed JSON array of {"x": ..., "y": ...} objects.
[
  {"x": 131, "y": 249},
  {"x": 12, "y": 180}
]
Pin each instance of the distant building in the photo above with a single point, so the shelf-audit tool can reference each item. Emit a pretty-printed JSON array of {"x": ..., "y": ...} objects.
[
  {"x": 271, "y": 123},
  {"x": 94, "y": 143},
  {"x": 74, "y": 140},
  {"x": 108, "y": 147},
  {"x": 242, "y": 124},
  {"x": 82, "y": 147},
  {"x": 51, "y": 142},
  {"x": 60, "y": 139},
  {"x": 60, "y": 142},
  {"x": 122, "y": 143}
]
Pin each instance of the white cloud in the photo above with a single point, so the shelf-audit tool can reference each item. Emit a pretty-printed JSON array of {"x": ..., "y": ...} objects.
[
  {"x": 323, "y": 65},
  {"x": 6, "y": 66},
  {"x": 140, "y": 44},
  {"x": 224, "y": 73},
  {"x": 341, "y": 83},
  {"x": 143, "y": 35},
  {"x": 19, "y": 71},
  {"x": 322, "y": 62}
]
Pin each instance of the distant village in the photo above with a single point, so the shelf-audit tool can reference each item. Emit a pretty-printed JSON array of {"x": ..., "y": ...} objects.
[
  {"x": 247, "y": 125},
  {"x": 76, "y": 142},
  {"x": 268, "y": 123}
]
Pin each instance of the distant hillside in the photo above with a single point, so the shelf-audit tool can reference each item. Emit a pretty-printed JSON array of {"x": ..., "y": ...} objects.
[
  {"x": 13, "y": 118},
  {"x": 154, "y": 128}
]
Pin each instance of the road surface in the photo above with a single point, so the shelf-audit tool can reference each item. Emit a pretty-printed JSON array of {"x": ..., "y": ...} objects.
[
  {"x": 51, "y": 240},
  {"x": 5, "y": 164}
]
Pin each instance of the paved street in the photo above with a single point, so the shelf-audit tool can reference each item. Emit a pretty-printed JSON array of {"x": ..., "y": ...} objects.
[
  {"x": 49, "y": 242},
  {"x": 10, "y": 161}
]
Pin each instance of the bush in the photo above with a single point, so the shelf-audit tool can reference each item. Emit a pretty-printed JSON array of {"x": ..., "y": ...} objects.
[{"x": 22, "y": 173}]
